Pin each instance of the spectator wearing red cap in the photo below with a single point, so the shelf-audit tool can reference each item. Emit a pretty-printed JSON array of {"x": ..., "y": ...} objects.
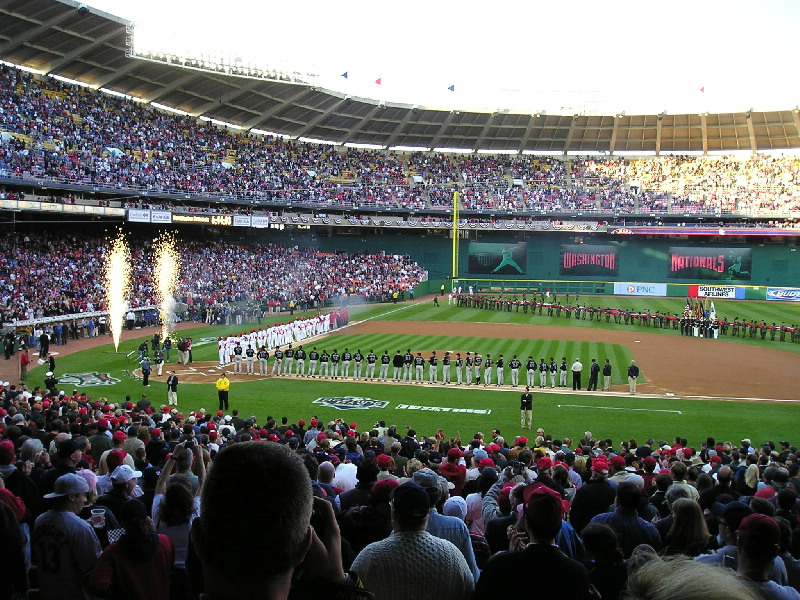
[
  {"x": 519, "y": 444},
  {"x": 758, "y": 542},
  {"x": 541, "y": 561},
  {"x": 630, "y": 528},
  {"x": 385, "y": 464},
  {"x": 453, "y": 471},
  {"x": 594, "y": 497},
  {"x": 117, "y": 440}
]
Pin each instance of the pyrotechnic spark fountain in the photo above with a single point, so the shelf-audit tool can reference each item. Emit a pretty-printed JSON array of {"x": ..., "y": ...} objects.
[
  {"x": 168, "y": 266},
  {"x": 117, "y": 284}
]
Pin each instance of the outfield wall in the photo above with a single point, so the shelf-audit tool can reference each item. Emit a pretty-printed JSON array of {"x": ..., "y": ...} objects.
[{"x": 765, "y": 264}]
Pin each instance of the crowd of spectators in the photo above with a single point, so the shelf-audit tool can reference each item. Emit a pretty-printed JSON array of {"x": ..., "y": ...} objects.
[
  {"x": 54, "y": 131},
  {"x": 211, "y": 274},
  {"x": 571, "y": 513}
]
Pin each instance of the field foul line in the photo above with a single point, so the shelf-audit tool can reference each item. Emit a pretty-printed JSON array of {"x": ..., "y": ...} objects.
[{"x": 618, "y": 408}]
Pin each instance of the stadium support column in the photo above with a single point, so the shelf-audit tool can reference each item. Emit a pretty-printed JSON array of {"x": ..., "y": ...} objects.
[{"x": 454, "y": 274}]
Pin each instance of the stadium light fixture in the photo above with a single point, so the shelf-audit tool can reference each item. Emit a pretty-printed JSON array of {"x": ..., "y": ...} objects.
[
  {"x": 543, "y": 152},
  {"x": 117, "y": 94},
  {"x": 22, "y": 68},
  {"x": 169, "y": 109},
  {"x": 410, "y": 148},
  {"x": 73, "y": 82},
  {"x": 318, "y": 141},
  {"x": 270, "y": 133},
  {"x": 364, "y": 146},
  {"x": 455, "y": 150}
]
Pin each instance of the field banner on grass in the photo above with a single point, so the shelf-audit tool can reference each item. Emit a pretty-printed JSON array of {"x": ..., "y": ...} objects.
[
  {"x": 584, "y": 259},
  {"x": 716, "y": 291},
  {"x": 640, "y": 289},
  {"x": 784, "y": 294},
  {"x": 489, "y": 258},
  {"x": 709, "y": 263}
]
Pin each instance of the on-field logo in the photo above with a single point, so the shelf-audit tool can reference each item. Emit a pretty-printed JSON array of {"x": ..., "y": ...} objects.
[
  {"x": 350, "y": 402},
  {"x": 87, "y": 379}
]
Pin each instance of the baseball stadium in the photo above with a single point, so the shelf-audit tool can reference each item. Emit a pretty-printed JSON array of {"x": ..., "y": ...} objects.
[{"x": 325, "y": 255}]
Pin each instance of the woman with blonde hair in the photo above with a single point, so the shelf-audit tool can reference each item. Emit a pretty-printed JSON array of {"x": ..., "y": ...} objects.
[
  {"x": 688, "y": 534},
  {"x": 681, "y": 578}
]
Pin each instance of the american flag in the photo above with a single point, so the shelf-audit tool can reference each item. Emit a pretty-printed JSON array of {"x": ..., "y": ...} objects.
[{"x": 687, "y": 310}]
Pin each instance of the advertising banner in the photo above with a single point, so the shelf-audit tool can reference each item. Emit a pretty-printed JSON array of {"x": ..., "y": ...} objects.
[
  {"x": 640, "y": 289},
  {"x": 716, "y": 291},
  {"x": 241, "y": 220},
  {"x": 138, "y": 216},
  {"x": 784, "y": 294},
  {"x": 584, "y": 259},
  {"x": 498, "y": 259},
  {"x": 161, "y": 216},
  {"x": 709, "y": 263}
]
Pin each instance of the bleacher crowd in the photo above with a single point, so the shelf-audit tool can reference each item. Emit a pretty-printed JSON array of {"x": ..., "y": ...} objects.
[
  {"x": 72, "y": 266},
  {"x": 54, "y": 131},
  {"x": 398, "y": 512}
]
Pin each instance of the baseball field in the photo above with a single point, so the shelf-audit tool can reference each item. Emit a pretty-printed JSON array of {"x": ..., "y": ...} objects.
[{"x": 728, "y": 388}]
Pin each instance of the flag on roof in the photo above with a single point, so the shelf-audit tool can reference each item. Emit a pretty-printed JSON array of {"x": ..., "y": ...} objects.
[
  {"x": 379, "y": 80},
  {"x": 344, "y": 74},
  {"x": 452, "y": 88}
]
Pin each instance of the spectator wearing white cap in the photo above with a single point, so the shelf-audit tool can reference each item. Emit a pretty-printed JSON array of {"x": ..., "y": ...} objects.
[
  {"x": 65, "y": 547},
  {"x": 123, "y": 485}
]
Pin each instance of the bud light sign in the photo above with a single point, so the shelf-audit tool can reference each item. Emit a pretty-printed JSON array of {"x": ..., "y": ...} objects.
[{"x": 784, "y": 294}]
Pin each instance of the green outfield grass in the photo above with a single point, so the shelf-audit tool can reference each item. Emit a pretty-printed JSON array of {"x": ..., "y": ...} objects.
[{"x": 565, "y": 414}]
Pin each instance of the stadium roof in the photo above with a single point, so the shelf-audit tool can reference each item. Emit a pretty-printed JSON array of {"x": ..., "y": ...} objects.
[{"x": 66, "y": 39}]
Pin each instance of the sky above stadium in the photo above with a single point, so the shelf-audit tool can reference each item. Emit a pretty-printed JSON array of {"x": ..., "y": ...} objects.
[{"x": 557, "y": 57}]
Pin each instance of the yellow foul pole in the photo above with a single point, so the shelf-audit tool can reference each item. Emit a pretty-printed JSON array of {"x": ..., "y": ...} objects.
[{"x": 454, "y": 274}]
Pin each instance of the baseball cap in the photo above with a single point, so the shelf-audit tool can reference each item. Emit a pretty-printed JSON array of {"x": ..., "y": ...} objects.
[
  {"x": 522, "y": 440},
  {"x": 479, "y": 454},
  {"x": 732, "y": 513},
  {"x": 617, "y": 461},
  {"x": 455, "y": 506},
  {"x": 410, "y": 500},
  {"x": 759, "y": 533},
  {"x": 67, "y": 447},
  {"x": 382, "y": 490},
  {"x": 454, "y": 453},
  {"x": 384, "y": 461},
  {"x": 119, "y": 436},
  {"x": 123, "y": 474},
  {"x": 544, "y": 463},
  {"x": 68, "y": 484},
  {"x": 132, "y": 510},
  {"x": 486, "y": 462}
]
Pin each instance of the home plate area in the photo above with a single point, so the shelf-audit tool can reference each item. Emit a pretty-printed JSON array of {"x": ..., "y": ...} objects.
[{"x": 201, "y": 372}]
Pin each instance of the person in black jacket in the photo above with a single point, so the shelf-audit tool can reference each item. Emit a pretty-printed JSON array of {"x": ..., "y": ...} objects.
[{"x": 510, "y": 575}]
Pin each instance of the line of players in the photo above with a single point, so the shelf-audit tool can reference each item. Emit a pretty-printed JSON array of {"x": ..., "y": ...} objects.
[{"x": 406, "y": 368}]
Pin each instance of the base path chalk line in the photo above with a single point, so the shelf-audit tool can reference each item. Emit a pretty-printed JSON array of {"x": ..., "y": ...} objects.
[{"x": 618, "y": 408}]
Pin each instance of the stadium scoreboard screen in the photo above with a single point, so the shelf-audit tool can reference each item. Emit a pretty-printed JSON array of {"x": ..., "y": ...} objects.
[{"x": 487, "y": 258}]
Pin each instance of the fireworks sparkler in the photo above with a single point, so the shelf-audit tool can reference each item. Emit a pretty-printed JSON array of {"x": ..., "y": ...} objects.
[
  {"x": 117, "y": 276},
  {"x": 168, "y": 267}
]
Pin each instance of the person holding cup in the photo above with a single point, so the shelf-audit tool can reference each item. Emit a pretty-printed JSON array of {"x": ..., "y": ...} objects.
[{"x": 99, "y": 517}]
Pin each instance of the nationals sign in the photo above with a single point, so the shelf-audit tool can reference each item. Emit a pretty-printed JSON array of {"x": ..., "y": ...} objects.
[{"x": 709, "y": 263}]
